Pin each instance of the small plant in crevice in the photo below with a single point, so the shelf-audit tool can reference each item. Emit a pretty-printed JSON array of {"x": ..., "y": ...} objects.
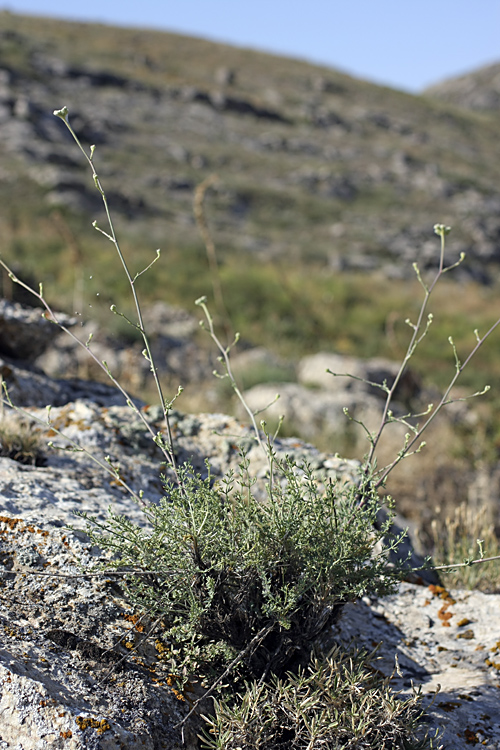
[
  {"x": 340, "y": 701},
  {"x": 19, "y": 439},
  {"x": 232, "y": 569}
]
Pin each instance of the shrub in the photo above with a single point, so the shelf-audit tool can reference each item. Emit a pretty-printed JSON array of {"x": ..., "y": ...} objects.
[{"x": 256, "y": 580}]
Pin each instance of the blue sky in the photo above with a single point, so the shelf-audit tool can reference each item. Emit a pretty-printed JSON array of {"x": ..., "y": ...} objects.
[{"x": 407, "y": 44}]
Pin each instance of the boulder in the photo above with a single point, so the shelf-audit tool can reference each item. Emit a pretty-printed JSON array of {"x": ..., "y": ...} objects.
[{"x": 24, "y": 332}]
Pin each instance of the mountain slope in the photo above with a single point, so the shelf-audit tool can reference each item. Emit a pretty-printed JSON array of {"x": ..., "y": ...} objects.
[
  {"x": 311, "y": 162},
  {"x": 478, "y": 90}
]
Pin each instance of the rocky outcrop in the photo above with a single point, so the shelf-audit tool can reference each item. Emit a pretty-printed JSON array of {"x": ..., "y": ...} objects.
[
  {"x": 24, "y": 332},
  {"x": 444, "y": 643},
  {"x": 316, "y": 405},
  {"x": 76, "y": 667},
  {"x": 81, "y": 669},
  {"x": 171, "y": 331}
]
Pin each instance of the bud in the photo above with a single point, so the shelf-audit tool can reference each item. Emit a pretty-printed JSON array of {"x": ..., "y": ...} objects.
[{"x": 62, "y": 113}]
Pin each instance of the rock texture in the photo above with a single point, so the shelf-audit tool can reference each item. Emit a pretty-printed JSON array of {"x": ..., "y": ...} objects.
[
  {"x": 171, "y": 332},
  {"x": 24, "y": 333},
  {"x": 444, "y": 642},
  {"x": 75, "y": 669},
  {"x": 362, "y": 395}
]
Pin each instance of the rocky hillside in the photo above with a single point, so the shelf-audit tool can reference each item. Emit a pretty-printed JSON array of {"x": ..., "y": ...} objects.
[
  {"x": 315, "y": 167},
  {"x": 479, "y": 90}
]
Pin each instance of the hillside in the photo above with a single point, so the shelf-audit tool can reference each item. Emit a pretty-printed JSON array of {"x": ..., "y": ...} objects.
[
  {"x": 478, "y": 90},
  {"x": 322, "y": 179}
]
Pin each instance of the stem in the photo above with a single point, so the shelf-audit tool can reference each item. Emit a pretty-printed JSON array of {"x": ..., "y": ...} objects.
[
  {"x": 415, "y": 340},
  {"x": 63, "y": 115}
]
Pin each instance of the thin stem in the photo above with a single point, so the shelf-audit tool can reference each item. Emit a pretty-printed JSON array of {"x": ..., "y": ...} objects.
[
  {"x": 414, "y": 341},
  {"x": 443, "y": 402},
  {"x": 466, "y": 564},
  {"x": 63, "y": 115},
  {"x": 51, "y": 315}
]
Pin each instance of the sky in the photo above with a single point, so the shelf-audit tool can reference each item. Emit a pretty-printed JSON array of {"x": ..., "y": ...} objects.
[{"x": 407, "y": 44}]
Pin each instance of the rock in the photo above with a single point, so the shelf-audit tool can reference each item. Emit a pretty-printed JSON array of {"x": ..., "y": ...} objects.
[
  {"x": 29, "y": 386},
  {"x": 76, "y": 670},
  {"x": 367, "y": 375},
  {"x": 171, "y": 333},
  {"x": 446, "y": 641},
  {"x": 316, "y": 405},
  {"x": 24, "y": 332},
  {"x": 313, "y": 412}
]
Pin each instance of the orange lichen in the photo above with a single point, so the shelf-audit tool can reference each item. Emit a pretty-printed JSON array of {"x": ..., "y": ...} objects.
[
  {"x": 161, "y": 648},
  {"x": 100, "y": 725},
  {"x": 467, "y": 634},
  {"x": 491, "y": 663},
  {"x": 66, "y": 735},
  {"x": 471, "y": 738},
  {"x": 444, "y": 615},
  {"x": 134, "y": 619},
  {"x": 442, "y": 593},
  {"x": 10, "y": 522},
  {"x": 464, "y": 621}
]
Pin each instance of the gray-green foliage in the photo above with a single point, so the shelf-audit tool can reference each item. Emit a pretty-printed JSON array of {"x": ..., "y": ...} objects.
[
  {"x": 337, "y": 702},
  {"x": 230, "y": 568}
]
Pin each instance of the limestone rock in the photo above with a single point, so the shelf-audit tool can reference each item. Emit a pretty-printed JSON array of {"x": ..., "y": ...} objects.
[
  {"x": 24, "y": 332},
  {"x": 76, "y": 670},
  {"x": 447, "y": 644}
]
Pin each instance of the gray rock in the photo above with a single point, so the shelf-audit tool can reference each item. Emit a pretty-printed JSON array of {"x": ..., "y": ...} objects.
[
  {"x": 368, "y": 375},
  {"x": 24, "y": 332},
  {"x": 446, "y": 643},
  {"x": 75, "y": 667}
]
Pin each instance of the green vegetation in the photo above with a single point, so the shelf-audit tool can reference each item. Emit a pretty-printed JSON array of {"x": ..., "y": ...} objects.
[
  {"x": 338, "y": 702},
  {"x": 232, "y": 568}
]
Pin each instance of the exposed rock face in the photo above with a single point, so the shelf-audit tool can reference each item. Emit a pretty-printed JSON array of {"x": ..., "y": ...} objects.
[
  {"x": 24, "y": 332},
  {"x": 446, "y": 641},
  {"x": 317, "y": 404},
  {"x": 170, "y": 330},
  {"x": 75, "y": 670}
]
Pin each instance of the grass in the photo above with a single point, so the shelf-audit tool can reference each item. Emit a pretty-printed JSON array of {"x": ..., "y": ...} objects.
[{"x": 467, "y": 533}]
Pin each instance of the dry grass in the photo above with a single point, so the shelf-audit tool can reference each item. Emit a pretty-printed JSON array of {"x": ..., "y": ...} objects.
[
  {"x": 467, "y": 533},
  {"x": 20, "y": 440}
]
